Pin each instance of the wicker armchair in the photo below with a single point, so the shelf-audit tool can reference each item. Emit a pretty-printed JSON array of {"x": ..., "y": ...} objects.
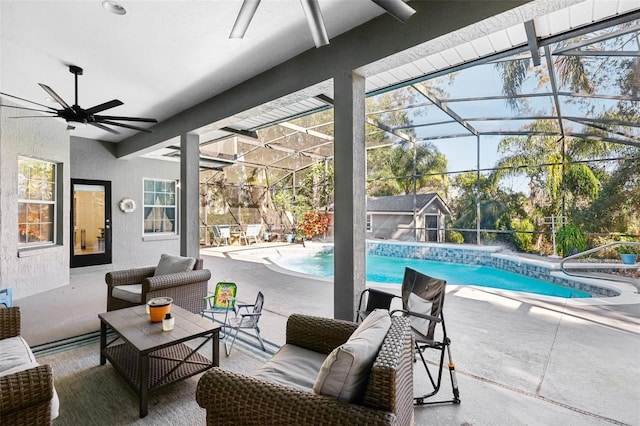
[
  {"x": 25, "y": 396},
  {"x": 232, "y": 398},
  {"x": 187, "y": 289}
]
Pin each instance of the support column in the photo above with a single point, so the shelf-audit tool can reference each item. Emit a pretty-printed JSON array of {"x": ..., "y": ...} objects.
[
  {"x": 350, "y": 194},
  {"x": 189, "y": 194}
]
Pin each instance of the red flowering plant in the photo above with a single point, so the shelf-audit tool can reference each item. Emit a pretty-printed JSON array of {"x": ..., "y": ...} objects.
[{"x": 314, "y": 223}]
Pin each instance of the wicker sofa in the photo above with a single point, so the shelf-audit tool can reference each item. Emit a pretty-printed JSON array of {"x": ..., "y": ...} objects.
[
  {"x": 27, "y": 395},
  {"x": 232, "y": 398},
  {"x": 132, "y": 287}
]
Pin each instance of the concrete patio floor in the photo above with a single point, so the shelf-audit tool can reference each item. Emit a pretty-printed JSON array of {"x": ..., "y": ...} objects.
[{"x": 520, "y": 359}]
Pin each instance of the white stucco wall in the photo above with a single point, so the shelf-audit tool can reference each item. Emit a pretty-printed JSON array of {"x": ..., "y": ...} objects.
[
  {"x": 36, "y": 270},
  {"x": 95, "y": 160}
]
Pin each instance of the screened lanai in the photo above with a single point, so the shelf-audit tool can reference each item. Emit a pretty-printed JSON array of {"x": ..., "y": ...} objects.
[{"x": 520, "y": 131}]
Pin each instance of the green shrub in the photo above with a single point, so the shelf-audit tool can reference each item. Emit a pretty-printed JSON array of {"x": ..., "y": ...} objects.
[
  {"x": 454, "y": 237},
  {"x": 571, "y": 238},
  {"x": 523, "y": 240}
]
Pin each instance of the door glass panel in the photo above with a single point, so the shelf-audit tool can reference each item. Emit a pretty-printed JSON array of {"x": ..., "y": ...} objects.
[
  {"x": 432, "y": 227},
  {"x": 89, "y": 219}
]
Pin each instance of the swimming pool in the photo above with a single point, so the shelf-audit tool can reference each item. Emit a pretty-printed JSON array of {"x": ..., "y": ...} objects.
[{"x": 390, "y": 270}]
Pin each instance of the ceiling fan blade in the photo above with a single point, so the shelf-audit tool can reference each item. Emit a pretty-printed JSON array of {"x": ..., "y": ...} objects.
[
  {"x": 35, "y": 116},
  {"x": 100, "y": 126},
  {"x": 26, "y": 100},
  {"x": 111, "y": 104},
  {"x": 396, "y": 8},
  {"x": 128, "y": 126},
  {"x": 29, "y": 109},
  {"x": 54, "y": 95},
  {"x": 247, "y": 10},
  {"x": 113, "y": 117},
  {"x": 316, "y": 23}
]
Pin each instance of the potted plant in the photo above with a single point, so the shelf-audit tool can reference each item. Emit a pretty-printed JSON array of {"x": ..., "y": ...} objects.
[
  {"x": 571, "y": 239},
  {"x": 628, "y": 253}
]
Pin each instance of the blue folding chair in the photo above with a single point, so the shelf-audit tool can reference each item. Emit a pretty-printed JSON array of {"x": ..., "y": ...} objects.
[{"x": 6, "y": 297}]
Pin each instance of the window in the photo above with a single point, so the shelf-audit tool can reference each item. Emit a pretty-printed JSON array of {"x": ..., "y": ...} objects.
[
  {"x": 369, "y": 222},
  {"x": 159, "y": 206},
  {"x": 36, "y": 202}
]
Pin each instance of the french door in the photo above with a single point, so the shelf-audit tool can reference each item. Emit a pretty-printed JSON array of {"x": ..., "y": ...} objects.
[{"x": 90, "y": 222}]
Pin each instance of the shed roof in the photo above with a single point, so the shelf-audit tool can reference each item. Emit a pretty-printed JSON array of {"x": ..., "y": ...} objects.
[{"x": 404, "y": 203}]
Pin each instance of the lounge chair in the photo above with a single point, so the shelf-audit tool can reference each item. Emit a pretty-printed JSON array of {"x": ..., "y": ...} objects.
[
  {"x": 221, "y": 234},
  {"x": 253, "y": 231}
]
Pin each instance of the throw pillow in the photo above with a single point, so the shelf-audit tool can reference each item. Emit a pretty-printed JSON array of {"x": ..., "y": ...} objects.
[
  {"x": 172, "y": 264},
  {"x": 345, "y": 371}
]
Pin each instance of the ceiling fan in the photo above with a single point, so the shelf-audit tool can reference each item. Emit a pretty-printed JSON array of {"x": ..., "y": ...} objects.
[
  {"x": 76, "y": 115},
  {"x": 396, "y": 8}
]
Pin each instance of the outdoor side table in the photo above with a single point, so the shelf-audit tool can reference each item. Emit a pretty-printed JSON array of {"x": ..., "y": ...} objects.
[{"x": 148, "y": 357}]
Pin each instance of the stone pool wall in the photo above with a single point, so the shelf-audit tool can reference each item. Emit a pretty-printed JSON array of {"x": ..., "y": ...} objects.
[{"x": 486, "y": 256}]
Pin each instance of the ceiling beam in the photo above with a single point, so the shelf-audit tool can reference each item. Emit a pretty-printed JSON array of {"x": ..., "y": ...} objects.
[
  {"x": 385, "y": 38},
  {"x": 532, "y": 39}
]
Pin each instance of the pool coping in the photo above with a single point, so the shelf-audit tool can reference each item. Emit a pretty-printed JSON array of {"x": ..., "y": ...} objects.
[{"x": 626, "y": 293}]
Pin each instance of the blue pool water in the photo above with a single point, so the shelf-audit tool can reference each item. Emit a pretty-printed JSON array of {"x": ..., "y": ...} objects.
[{"x": 384, "y": 269}]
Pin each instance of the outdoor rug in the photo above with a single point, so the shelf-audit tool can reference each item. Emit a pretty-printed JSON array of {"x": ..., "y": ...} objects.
[{"x": 91, "y": 394}]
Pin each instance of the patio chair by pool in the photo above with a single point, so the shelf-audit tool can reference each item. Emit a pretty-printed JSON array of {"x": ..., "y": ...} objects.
[
  {"x": 246, "y": 317},
  {"x": 252, "y": 231},
  {"x": 375, "y": 299},
  {"x": 422, "y": 301},
  {"x": 220, "y": 302},
  {"x": 221, "y": 234}
]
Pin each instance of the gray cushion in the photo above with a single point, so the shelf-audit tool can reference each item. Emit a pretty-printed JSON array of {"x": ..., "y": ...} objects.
[
  {"x": 131, "y": 293},
  {"x": 292, "y": 366},
  {"x": 345, "y": 372},
  {"x": 172, "y": 264},
  {"x": 14, "y": 352}
]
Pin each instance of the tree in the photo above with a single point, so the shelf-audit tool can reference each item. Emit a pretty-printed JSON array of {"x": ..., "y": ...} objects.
[
  {"x": 390, "y": 169},
  {"x": 396, "y": 164},
  {"x": 316, "y": 190},
  {"x": 499, "y": 209}
]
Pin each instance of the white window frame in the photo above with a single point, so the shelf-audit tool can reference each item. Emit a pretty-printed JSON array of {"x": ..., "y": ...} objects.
[
  {"x": 26, "y": 199},
  {"x": 159, "y": 228}
]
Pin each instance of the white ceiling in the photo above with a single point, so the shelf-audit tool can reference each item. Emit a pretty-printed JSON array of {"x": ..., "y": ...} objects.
[{"x": 161, "y": 58}]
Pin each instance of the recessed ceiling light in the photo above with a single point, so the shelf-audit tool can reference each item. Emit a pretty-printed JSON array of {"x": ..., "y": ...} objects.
[{"x": 114, "y": 7}]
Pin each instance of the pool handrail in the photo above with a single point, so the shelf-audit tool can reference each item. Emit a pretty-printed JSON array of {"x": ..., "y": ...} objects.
[{"x": 595, "y": 266}]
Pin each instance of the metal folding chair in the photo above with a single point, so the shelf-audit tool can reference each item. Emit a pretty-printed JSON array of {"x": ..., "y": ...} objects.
[
  {"x": 220, "y": 302},
  {"x": 246, "y": 317},
  {"x": 375, "y": 299},
  {"x": 422, "y": 301}
]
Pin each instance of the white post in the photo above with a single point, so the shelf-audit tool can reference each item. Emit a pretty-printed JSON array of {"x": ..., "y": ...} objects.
[{"x": 553, "y": 235}]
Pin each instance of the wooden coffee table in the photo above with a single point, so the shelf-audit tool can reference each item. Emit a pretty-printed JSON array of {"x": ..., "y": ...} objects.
[{"x": 148, "y": 357}]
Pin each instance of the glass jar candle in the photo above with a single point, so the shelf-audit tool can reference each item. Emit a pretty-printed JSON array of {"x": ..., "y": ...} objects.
[{"x": 168, "y": 322}]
